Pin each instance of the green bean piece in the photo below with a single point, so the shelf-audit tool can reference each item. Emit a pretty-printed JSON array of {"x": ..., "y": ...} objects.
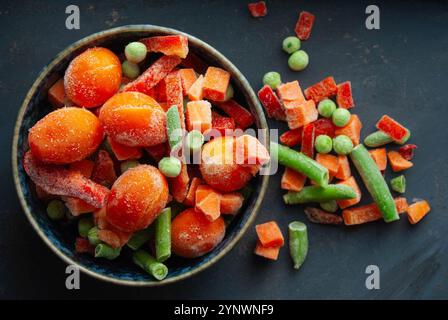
[
  {"x": 163, "y": 235},
  {"x": 329, "y": 206},
  {"x": 147, "y": 262},
  {"x": 92, "y": 235},
  {"x": 377, "y": 139},
  {"x": 398, "y": 184},
  {"x": 139, "y": 238},
  {"x": 298, "y": 243},
  {"x": 84, "y": 225},
  {"x": 173, "y": 127},
  {"x": 103, "y": 250},
  {"x": 320, "y": 194},
  {"x": 300, "y": 162},
  {"x": 56, "y": 210},
  {"x": 374, "y": 182}
]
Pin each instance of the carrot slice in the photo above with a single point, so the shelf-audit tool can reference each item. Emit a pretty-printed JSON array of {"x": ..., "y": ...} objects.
[
  {"x": 397, "y": 162},
  {"x": 270, "y": 253},
  {"x": 85, "y": 167},
  {"x": 292, "y": 180},
  {"x": 352, "y": 129},
  {"x": 208, "y": 201},
  {"x": 417, "y": 211},
  {"x": 190, "y": 198},
  {"x": 329, "y": 161},
  {"x": 270, "y": 234},
  {"x": 199, "y": 115},
  {"x": 231, "y": 203},
  {"x": 123, "y": 152},
  {"x": 370, "y": 212},
  {"x": 380, "y": 157},
  {"x": 344, "y": 171},
  {"x": 216, "y": 81},
  {"x": 195, "y": 92},
  {"x": 243, "y": 118},
  {"x": 290, "y": 91},
  {"x": 292, "y": 137},
  {"x": 56, "y": 94},
  {"x": 299, "y": 114},
  {"x": 351, "y": 182},
  {"x": 188, "y": 77}
]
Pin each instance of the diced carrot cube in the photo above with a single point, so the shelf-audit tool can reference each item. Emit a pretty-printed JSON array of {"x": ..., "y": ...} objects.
[
  {"x": 290, "y": 91},
  {"x": 401, "y": 204},
  {"x": 191, "y": 194},
  {"x": 417, "y": 211},
  {"x": 188, "y": 77},
  {"x": 380, "y": 157},
  {"x": 397, "y": 162},
  {"x": 257, "y": 9},
  {"x": 85, "y": 167},
  {"x": 77, "y": 206},
  {"x": 352, "y": 129},
  {"x": 344, "y": 171},
  {"x": 199, "y": 115},
  {"x": 299, "y": 114},
  {"x": 292, "y": 180},
  {"x": 216, "y": 81},
  {"x": 179, "y": 185},
  {"x": 208, "y": 201},
  {"x": 221, "y": 123},
  {"x": 174, "y": 94},
  {"x": 344, "y": 96},
  {"x": 169, "y": 45},
  {"x": 291, "y": 137},
  {"x": 195, "y": 92},
  {"x": 56, "y": 94},
  {"x": 329, "y": 161},
  {"x": 394, "y": 129},
  {"x": 157, "y": 152},
  {"x": 243, "y": 118},
  {"x": 321, "y": 90},
  {"x": 270, "y": 234},
  {"x": 231, "y": 203},
  {"x": 271, "y": 103},
  {"x": 304, "y": 25},
  {"x": 270, "y": 253},
  {"x": 370, "y": 212},
  {"x": 351, "y": 182},
  {"x": 123, "y": 152}
]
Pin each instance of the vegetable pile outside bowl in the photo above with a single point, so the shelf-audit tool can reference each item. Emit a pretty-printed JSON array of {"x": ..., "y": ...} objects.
[{"x": 61, "y": 238}]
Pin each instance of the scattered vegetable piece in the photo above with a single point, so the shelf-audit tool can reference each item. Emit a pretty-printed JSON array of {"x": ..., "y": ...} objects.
[
  {"x": 56, "y": 94},
  {"x": 324, "y": 126},
  {"x": 103, "y": 250},
  {"x": 344, "y": 96},
  {"x": 195, "y": 140},
  {"x": 290, "y": 45},
  {"x": 92, "y": 235},
  {"x": 342, "y": 145},
  {"x": 398, "y": 184},
  {"x": 188, "y": 77},
  {"x": 270, "y": 253},
  {"x": 350, "y": 202},
  {"x": 298, "y": 243},
  {"x": 307, "y": 147},
  {"x": 199, "y": 116},
  {"x": 135, "y": 52},
  {"x": 320, "y": 194},
  {"x": 85, "y": 167},
  {"x": 270, "y": 234},
  {"x": 56, "y": 210},
  {"x": 130, "y": 70},
  {"x": 380, "y": 157},
  {"x": 145, "y": 261},
  {"x": 370, "y": 212},
  {"x": 351, "y": 130},
  {"x": 292, "y": 180},
  {"x": 243, "y": 118},
  {"x": 340, "y": 117},
  {"x": 407, "y": 151},
  {"x": 231, "y": 203},
  {"x": 417, "y": 211},
  {"x": 299, "y": 114},
  {"x": 195, "y": 92},
  {"x": 139, "y": 238},
  {"x": 104, "y": 170},
  {"x": 377, "y": 139},
  {"x": 175, "y": 45},
  {"x": 123, "y": 152},
  {"x": 291, "y": 137},
  {"x": 395, "y": 130},
  {"x": 321, "y": 90},
  {"x": 215, "y": 84},
  {"x": 83, "y": 246},
  {"x": 298, "y": 61},
  {"x": 326, "y": 107},
  {"x": 271, "y": 103},
  {"x": 76, "y": 206},
  {"x": 344, "y": 171},
  {"x": 221, "y": 123},
  {"x": 397, "y": 162},
  {"x": 290, "y": 91},
  {"x": 304, "y": 25},
  {"x": 170, "y": 167},
  {"x": 174, "y": 96},
  {"x": 257, "y": 9},
  {"x": 329, "y": 161},
  {"x": 163, "y": 235},
  {"x": 329, "y": 206},
  {"x": 321, "y": 217},
  {"x": 272, "y": 79},
  {"x": 179, "y": 184},
  {"x": 323, "y": 144}
]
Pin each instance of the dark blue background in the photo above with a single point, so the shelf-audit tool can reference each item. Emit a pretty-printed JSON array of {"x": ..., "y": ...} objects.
[{"x": 400, "y": 69}]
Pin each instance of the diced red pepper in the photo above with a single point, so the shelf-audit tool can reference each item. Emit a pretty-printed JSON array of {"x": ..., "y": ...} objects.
[
  {"x": 243, "y": 118},
  {"x": 193, "y": 61},
  {"x": 174, "y": 94},
  {"x": 168, "y": 45},
  {"x": 324, "y": 126},
  {"x": 257, "y": 9},
  {"x": 85, "y": 167},
  {"x": 160, "y": 91},
  {"x": 58, "y": 181},
  {"x": 307, "y": 147},
  {"x": 394, "y": 129},
  {"x": 292, "y": 137},
  {"x": 344, "y": 96},
  {"x": 407, "y": 151},
  {"x": 271, "y": 103},
  {"x": 153, "y": 75},
  {"x": 304, "y": 25},
  {"x": 222, "y": 123},
  {"x": 104, "y": 171},
  {"x": 321, "y": 90},
  {"x": 83, "y": 245},
  {"x": 77, "y": 206},
  {"x": 179, "y": 185}
]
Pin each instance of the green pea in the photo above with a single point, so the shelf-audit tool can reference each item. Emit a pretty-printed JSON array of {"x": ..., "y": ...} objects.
[
  {"x": 195, "y": 140},
  {"x": 170, "y": 166},
  {"x": 135, "y": 52},
  {"x": 329, "y": 206},
  {"x": 342, "y": 145},
  {"x": 340, "y": 117},
  {"x": 291, "y": 44},
  {"x": 326, "y": 108},
  {"x": 128, "y": 164},
  {"x": 130, "y": 70},
  {"x": 272, "y": 79},
  {"x": 298, "y": 60},
  {"x": 323, "y": 144},
  {"x": 56, "y": 210},
  {"x": 92, "y": 235},
  {"x": 84, "y": 225}
]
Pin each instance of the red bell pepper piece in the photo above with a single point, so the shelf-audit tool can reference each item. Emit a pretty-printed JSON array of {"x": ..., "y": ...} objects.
[
  {"x": 407, "y": 151},
  {"x": 168, "y": 45},
  {"x": 308, "y": 140},
  {"x": 193, "y": 61},
  {"x": 257, "y": 9},
  {"x": 271, "y": 103},
  {"x": 222, "y": 123},
  {"x": 395, "y": 130},
  {"x": 321, "y": 90},
  {"x": 59, "y": 181},
  {"x": 153, "y": 75},
  {"x": 344, "y": 96},
  {"x": 104, "y": 171},
  {"x": 174, "y": 95},
  {"x": 242, "y": 117},
  {"x": 304, "y": 25},
  {"x": 291, "y": 137},
  {"x": 324, "y": 126}
]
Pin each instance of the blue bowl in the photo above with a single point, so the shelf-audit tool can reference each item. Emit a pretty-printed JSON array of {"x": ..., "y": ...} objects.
[{"x": 60, "y": 237}]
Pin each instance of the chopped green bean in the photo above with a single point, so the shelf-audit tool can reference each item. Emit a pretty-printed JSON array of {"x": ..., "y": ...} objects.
[
  {"x": 103, "y": 250},
  {"x": 163, "y": 235},
  {"x": 398, "y": 184},
  {"x": 145, "y": 261},
  {"x": 377, "y": 139},
  {"x": 139, "y": 238},
  {"x": 92, "y": 235},
  {"x": 173, "y": 127},
  {"x": 320, "y": 194},
  {"x": 298, "y": 243}
]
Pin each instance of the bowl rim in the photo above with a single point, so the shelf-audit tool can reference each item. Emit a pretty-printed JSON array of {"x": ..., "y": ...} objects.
[{"x": 133, "y": 28}]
